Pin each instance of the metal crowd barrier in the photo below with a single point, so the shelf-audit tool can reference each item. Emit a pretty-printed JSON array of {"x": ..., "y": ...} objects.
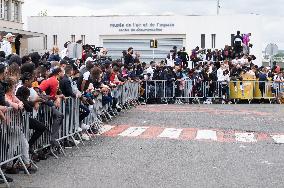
[
  {"x": 11, "y": 139},
  {"x": 184, "y": 89},
  {"x": 129, "y": 92},
  {"x": 70, "y": 109},
  {"x": 16, "y": 127},
  {"x": 199, "y": 90}
]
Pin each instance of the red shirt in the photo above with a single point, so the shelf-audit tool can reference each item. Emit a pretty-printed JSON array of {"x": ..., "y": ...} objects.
[{"x": 50, "y": 86}]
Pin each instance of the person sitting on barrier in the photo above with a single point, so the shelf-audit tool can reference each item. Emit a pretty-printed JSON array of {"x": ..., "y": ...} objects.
[
  {"x": 50, "y": 87},
  {"x": 30, "y": 104}
]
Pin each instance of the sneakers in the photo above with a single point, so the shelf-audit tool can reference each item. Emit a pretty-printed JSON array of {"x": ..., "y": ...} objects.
[
  {"x": 178, "y": 102},
  {"x": 85, "y": 127},
  {"x": 119, "y": 108},
  {"x": 85, "y": 137},
  {"x": 111, "y": 113},
  {"x": 76, "y": 142},
  {"x": 208, "y": 101}
]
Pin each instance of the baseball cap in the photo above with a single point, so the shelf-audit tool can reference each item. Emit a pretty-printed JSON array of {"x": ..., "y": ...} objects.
[{"x": 9, "y": 35}]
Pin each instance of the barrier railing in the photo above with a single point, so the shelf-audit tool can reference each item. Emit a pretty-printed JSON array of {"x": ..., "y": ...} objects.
[
  {"x": 12, "y": 139},
  {"x": 183, "y": 89},
  {"x": 199, "y": 90},
  {"x": 16, "y": 127}
]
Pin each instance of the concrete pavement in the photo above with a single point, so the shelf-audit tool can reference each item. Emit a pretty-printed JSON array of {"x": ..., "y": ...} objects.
[{"x": 168, "y": 153}]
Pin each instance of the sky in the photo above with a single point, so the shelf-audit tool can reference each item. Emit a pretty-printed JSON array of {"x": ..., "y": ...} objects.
[{"x": 272, "y": 10}]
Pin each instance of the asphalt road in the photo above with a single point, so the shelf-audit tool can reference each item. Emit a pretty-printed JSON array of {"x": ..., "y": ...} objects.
[{"x": 114, "y": 160}]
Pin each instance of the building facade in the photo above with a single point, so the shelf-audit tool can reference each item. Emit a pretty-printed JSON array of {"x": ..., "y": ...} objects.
[
  {"x": 11, "y": 22},
  {"x": 117, "y": 33}
]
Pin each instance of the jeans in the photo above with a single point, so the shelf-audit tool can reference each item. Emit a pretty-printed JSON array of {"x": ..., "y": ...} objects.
[{"x": 25, "y": 149}]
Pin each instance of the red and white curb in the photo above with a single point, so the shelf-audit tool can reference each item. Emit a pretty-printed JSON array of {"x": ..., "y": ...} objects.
[{"x": 194, "y": 134}]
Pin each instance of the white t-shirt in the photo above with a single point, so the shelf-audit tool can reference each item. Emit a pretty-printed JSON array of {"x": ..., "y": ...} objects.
[
  {"x": 86, "y": 75},
  {"x": 33, "y": 95},
  {"x": 64, "y": 53},
  {"x": 234, "y": 61},
  {"x": 150, "y": 70},
  {"x": 220, "y": 73},
  {"x": 6, "y": 47},
  {"x": 223, "y": 78}
]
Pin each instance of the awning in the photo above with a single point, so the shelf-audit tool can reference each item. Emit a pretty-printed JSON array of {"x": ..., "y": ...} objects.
[{"x": 26, "y": 34}]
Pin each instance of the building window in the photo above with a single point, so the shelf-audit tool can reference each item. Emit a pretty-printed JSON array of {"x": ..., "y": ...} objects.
[
  {"x": 203, "y": 41},
  {"x": 1, "y": 9},
  {"x": 83, "y": 38},
  {"x": 213, "y": 36},
  {"x": 73, "y": 38},
  {"x": 16, "y": 12},
  {"x": 45, "y": 42},
  {"x": 6, "y": 7},
  {"x": 55, "y": 40}
]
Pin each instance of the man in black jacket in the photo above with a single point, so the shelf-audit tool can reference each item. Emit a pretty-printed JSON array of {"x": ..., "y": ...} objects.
[
  {"x": 238, "y": 43},
  {"x": 65, "y": 85},
  {"x": 128, "y": 59}
]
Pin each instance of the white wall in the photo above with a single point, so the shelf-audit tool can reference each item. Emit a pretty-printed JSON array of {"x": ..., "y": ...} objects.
[{"x": 96, "y": 28}]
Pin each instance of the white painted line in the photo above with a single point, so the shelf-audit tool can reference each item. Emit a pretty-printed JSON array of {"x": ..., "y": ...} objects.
[
  {"x": 106, "y": 128},
  {"x": 279, "y": 139},
  {"x": 170, "y": 133},
  {"x": 245, "y": 137},
  {"x": 133, "y": 131},
  {"x": 206, "y": 135}
]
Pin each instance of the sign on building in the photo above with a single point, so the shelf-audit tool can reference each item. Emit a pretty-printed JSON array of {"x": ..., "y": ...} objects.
[{"x": 153, "y": 43}]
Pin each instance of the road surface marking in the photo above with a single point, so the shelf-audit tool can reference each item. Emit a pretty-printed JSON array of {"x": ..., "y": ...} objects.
[
  {"x": 189, "y": 134},
  {"x": 170, "y": 133},
  {"x": 245, "y": 137},
  {"x": 133, "y": 131},
  {"x": 279, "y": 139},
  {"x": 106, "y": 128},
  {"x": 206, "y": 135}
]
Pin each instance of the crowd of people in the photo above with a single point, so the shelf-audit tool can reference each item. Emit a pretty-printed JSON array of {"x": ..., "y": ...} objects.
[
  {"x": 33, "y": 80},
  {"x": 27, "y": 83},
  {"x": 216, "y": 68}
]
